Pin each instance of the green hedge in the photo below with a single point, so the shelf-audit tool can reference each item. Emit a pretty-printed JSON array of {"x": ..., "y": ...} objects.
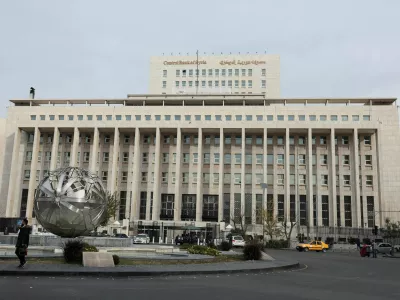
[
  {"x": 204, "y": 250},
  {"x": 276, "y": 244}
]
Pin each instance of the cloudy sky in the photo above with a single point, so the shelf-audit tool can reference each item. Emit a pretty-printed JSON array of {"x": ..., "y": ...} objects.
[{"x": 96, "y": 48}]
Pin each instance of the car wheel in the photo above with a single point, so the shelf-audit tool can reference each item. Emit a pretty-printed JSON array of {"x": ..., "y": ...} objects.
[
  {"x": 324, "y": 250},
  {"x": 305, "y": 249}
]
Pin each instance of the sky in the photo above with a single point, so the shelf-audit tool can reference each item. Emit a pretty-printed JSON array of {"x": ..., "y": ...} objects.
[{"x": 101, "y": 49}]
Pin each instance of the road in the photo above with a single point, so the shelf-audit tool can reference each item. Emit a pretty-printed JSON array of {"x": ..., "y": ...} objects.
[{"x": 324, "y": 276}]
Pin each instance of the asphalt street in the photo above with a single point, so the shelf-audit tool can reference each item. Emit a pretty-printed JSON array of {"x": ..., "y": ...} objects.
[{"x": 324, "y": 276}]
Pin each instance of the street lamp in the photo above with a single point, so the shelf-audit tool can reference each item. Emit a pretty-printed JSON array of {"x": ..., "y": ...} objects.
[{"x": 264, "y": 187}]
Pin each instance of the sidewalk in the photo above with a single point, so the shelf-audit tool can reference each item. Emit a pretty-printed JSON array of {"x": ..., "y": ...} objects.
[{"x": 146, "y": 270}]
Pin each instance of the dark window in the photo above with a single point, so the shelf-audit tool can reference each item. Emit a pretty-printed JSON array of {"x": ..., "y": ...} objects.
[
  {"x": 362, "y": 211},
  {"x": 259, "y": 208},
  {"x": 188, "y": 207},
  {"x": 315, "y": 210},
  {"x": 281, "y": 207},
  {"x": 151, "y": 205},
  {"x": 303, "y": 210},
  {"x": 247, "y": 208},
  {"x": 339, "y": 221},
  {"x": 143, "y": 200},
  {"x": 122, "y": 205},
  {"x": 293, "y": 208},
  {"x": 237, "y": 208},
  {"x": 24, "y": 201},
  {"x": 347, "y": 211},
  {"x": 370, "y": 210},
  {"x": 167, "y": 206},
  {"x": 325, "y": 210},
  {"x": 227, "y": 207},
  {"x": 210, "y": 208}
]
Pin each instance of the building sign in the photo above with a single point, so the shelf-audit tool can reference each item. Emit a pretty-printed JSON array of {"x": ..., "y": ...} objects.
[
  {"x": 242, "y": 62},
  {"x": 185, "y": 62}
]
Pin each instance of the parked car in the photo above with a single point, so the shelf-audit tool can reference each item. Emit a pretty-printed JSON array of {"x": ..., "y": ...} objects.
[
  {"x": 384, "y": 248},
  {"x": 313, "y": 246},
  {"x": 396, "y": 248},
  {"x": 121, "y": 235},
  {"x": 141, "y": 238},
  {"x": 238, "y": 241}
]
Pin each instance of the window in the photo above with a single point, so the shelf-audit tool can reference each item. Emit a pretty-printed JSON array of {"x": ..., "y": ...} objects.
[
  {"x": 186, "y": 139},
  {"x": 178, "y": 73},
  {"x": 183, "y": 83},
  {"x": 345, "y": 140},
  {"x": 366, "y": 118},
  {"x": 124, "y": 176},
  {"x": 52, "y": 118},
  {"x": 322, "y": 117},
  {"x": 280, "y": 179},
  {"x": 248, "y": 178},
  {"x": 104, "y": 175},
  {"x": 28, "y": 156},
  {"x": 346, "y": 159},
  {"x": 259, "y": 159},
  {"x": 185, "y": 158},
  {"x": 216, "y": 158},
  {"x": 322, "y": 140},
  {"x": 146, "y": 139},
  {"x": 177, "y": 117},
  {"x": 80, "y": 117},
  {"x": 227, "y": 178},
  {"x": 259, "y": 140},
  {"x": 369, "y": 180},
  {"x": 334, "y": 118},
  {"x": 323, "y": 159},
  {"x": 238, "y": 117},
  {"x": 346, "y": 179},
  {"x": 68, "y": 138},
  {"x": 345, "y": 117},
  {"x": 216, "y": 140},
  {"x": 259, "y": 178},
  {"x": 249, "y": 117},
  {"x": 194, "y": 177},
  {"x": 206, "y": 178},
  {"x": 238, "y": 140},
  {"x": 280, "y": 159},
  {"x": 109, "y": 117},
  {"x": 314, "y": 159},
  {"x": 164, "y": 177},
  {"x": 210, "y": 83},
  {"x": 27, "y": 174},
  {"x": 236, "y": 83},
  {"x": 280, "y": 140},
  {"x": 228, "y": 117},
  {"x": 302, "y": 179},
  {"x": 145, "y": 157},
  {"x": 302, "y": 140},
  {"x": 223, "y": 72},
  {"x": 187, "y": 117},
  {"x": 164, "y": 73},
  {"x": 229, "y": 83},
  {"x": 210, "y": 72},
  {"x": 248, "y": 159},
  {"x": 197, "y": 117},
  {"x": 216, "y": 83},
  {"x": 107, "y": 139},
  {"x": 203, "y": 72},
  {"x": 229, "y": 72},
  {"x": 39, "y": 156},
  {"x": 336, "y": 160},
  {"x": 270, "y": 159},
  {"x": 238, "y": 158},
  {"x": 206, "y": 158},
  {"x": 302, "y": 117},
  {"x": 86, "y": 156},
  {"x": 185, "y": 177},
  {"x": 356, "y": 118},
  {"x": 367, "y": 140},
  {"x": 174, "y": 158},
  {"x": 249, "y": 83},
  {"x": 195, "y": 140},
  {"x": 157, "y": 117},
  {"x": 313, "y": 118},
  {"x": 216, "y": 178},
  {"x": 167, "y": 139},
  {"x": 106, "y": 156},
  {"x": 227, "y": 159},
  {"x": 324, "y": 179},
  {"x": 237, "y": 178},
  {"x": 291, "y": 159},
  {"x": 190, "y": 83},
  {"x": 138, "y": 117},
  {"x": 165, "y": 158},
  {"x": 281, "y": 118},
  {"x": 263, "y": 83},
  {"x": 243, "y": 83},
  {"x": 118, "y": 117},
  {"x": 218, "y": 118},
  {"x": 302, "y": 159},
  {"x": 368, "y": 160},
  {"x": 263, "y": 72},
  {"x": 144, "y": 176},
  {"x": 148, "y": 117},
  {"x": 291, "y": 140},
  {"x": 207, "y": 117}
]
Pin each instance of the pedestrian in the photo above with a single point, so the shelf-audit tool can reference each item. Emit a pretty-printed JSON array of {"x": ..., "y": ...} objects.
[
  {"x": 21, "y": 248},
  {"x": 374, "y": 250},
  {"x": 358, "y": 244}
]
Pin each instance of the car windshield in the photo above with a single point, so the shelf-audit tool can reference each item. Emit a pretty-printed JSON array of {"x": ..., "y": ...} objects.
[
  {"x": 238, "y": 238},
  {"x": 142, "y": 235}
]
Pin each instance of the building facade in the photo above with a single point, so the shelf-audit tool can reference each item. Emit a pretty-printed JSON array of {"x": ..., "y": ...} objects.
[
  {"x": 211, "y": 74},
  {"x": 329, "y": 164}
]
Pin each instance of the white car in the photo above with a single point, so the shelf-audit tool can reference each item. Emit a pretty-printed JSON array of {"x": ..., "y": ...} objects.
[
  {"x": 141, "y": 239},
  {"x": 238, "y": 241},
  {"x": 396, "y": 248}
]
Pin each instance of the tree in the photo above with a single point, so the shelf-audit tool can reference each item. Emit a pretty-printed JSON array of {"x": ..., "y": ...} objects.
[
  {"x": 270, "y": 224},
  {"x": 112, "y": 205},
  {"x": 240, "y": 225},
  {"x": 392, "y": 229},
  {"x": 287, "y": 228}
]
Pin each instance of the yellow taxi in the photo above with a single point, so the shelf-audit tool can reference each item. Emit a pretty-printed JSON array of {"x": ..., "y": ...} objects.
[{"x": 313, "y": 246}]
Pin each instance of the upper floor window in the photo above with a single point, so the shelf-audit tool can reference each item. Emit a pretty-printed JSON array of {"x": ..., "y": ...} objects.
[
  {"x": 33, "y": 117},
  {"x": 165, "y": 73}
]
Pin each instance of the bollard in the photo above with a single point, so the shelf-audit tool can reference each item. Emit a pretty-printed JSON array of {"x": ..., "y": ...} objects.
[
  {"x": 198, "y": 242},
  {"x": 153, "y": 239},
  {"x": 160, "y": 240}
]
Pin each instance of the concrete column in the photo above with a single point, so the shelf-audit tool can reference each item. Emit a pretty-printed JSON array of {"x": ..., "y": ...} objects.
[
  {"x": 95, "y": 149},
  {"x": 178, "y": 176},
  {"x": 199, "y": 194},
  {"x": 243, "y": 170},
  {"x": 74, "y": 149},
  {"x": 54, "y": 149},
  {"x": 287, "y": 176},
  {"x": 157, "y": 179},
  {"x": 135, "y": 204},
  {"x": 32, "y": 180},
  {"x": 332, "y": 175},
  {"x": 356, "y": 205},
  {"x": 114, "y": 167},
  {"x": 221, "y": 176},
  {"x": 310, "y": 211},
  {"x": 15, "y": 166},
  {"x": 265, "y": 168}
]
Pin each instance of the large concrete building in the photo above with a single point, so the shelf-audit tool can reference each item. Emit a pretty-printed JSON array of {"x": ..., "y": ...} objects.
[
  {"x": 179, "y": 160},
  {"x": 211, "y": 74}
]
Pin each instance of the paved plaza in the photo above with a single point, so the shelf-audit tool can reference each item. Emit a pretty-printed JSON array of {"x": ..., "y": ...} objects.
[{"x": 322, "y": 276}]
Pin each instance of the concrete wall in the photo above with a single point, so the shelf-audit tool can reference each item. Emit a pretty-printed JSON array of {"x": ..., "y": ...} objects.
[{"x": 3, "y": 200}]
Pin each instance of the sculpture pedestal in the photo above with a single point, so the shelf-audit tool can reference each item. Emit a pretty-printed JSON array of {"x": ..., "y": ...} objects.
[{"x": 98, "y": 259}]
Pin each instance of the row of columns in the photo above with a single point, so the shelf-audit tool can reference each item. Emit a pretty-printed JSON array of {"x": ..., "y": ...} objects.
[{"x": 136, "y": 179}]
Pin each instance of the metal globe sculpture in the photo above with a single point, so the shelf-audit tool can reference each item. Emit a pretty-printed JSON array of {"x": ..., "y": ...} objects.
[{"x": 70, "y": 202}]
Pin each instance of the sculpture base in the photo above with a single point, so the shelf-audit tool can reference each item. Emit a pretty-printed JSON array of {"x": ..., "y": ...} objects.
[{"x": 98, "y": 260}]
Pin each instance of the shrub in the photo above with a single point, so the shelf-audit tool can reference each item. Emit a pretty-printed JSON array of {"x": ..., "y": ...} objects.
[
  {"x": 275, "y": 244},
  {"x": 211, "y": 245},
  {"x": 73, "y": 250},
  {"x": 185, "y": 246},
  {"x": 252, "y": 251},
  {"x": 116, "y": 259},
  {"x": 225, "y": 246},
  {"x": 204, "y": 250}
]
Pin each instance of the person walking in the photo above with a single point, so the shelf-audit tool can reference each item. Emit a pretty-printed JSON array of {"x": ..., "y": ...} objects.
[{"x": 21, "y": 248}]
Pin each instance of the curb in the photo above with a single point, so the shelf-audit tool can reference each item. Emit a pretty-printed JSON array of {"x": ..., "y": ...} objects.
[{"x": 121, "y": 273}]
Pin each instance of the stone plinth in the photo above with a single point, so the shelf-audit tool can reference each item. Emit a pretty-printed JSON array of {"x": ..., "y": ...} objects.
[{"x": 97, "y": 259}]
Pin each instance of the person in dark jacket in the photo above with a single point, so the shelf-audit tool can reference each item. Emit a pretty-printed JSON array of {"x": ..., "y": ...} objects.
[{"x": 21, "y": 247}]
